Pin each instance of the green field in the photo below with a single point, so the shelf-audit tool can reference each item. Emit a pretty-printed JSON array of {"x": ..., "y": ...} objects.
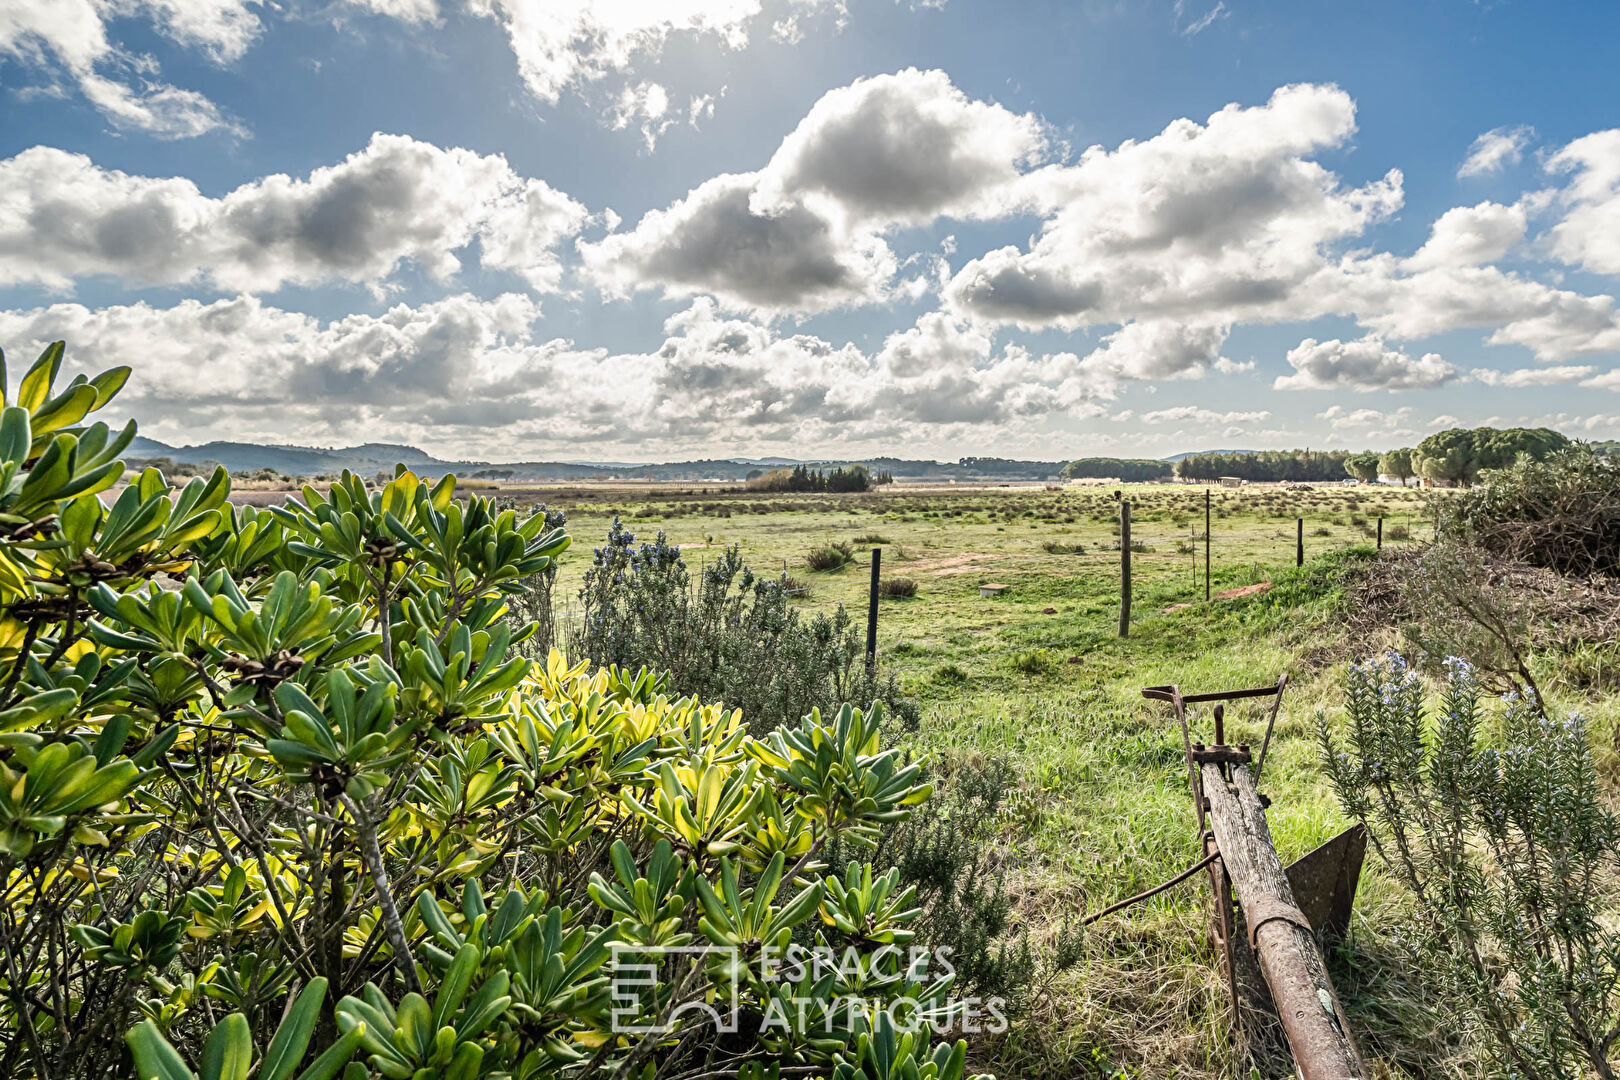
[{"x": 1039, "y": 677}]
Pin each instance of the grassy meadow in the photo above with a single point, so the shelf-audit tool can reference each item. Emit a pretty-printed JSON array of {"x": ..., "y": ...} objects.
[{"x": 1038, "y": 677}]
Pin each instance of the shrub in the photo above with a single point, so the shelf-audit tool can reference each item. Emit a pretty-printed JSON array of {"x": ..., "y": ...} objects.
[
  {"x": 535, "y": 603},
  {"x": 728, "y": 636},
  {"x": 1562, "y": 513},
  {"x": 1061, "y": 547},
  {"x": 898, "y": 587},
  {"x": 871, "y": 539},
  {"x": 309, "y": 805},
  {"x": 829, "y": 558},
  {"x": 948, "y": 856},
  {"x": 1031, "y": 661},
  {"x": 1508, "y": 857}
]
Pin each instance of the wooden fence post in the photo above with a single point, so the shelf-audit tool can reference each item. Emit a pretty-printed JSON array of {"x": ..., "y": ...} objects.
[
  {"x": 1380, "y": 532},
  {"x": 871, "y": 610},
  {"x": 1206, "y": 543},
  {"x": 1299, "y": 542},
  {"x": 1124, "y": 567}
]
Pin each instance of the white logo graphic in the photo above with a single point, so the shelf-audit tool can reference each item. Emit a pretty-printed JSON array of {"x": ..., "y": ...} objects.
[{"x": 639, "y": 970}]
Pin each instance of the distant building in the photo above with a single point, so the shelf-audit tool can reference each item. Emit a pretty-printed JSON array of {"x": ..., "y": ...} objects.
[{"x": 1231, "y": 481}]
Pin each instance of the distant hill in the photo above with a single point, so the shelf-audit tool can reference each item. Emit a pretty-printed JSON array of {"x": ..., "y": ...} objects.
[{"x": 370, "y": 458}]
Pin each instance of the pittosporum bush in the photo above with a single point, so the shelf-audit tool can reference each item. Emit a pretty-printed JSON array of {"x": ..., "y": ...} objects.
[
  {"x": 278, "y": 798},
  {"x": 536, "y": 602},
  {"x": 728, "y": 636},
  {"x": 1508, "y": 854},
  {"x": 948, "y": 857}
]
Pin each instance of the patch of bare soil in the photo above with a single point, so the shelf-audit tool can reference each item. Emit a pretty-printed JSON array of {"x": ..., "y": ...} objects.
[
  {"x": 1231, "y": 594},
  {"x": 969, "y": 563}
]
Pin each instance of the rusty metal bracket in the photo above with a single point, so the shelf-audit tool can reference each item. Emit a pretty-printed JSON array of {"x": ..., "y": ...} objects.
[
  {"x": 1221, "y": 755},
  {"x": 1261, "y": 912},
  {"x": 1276, "y": 706}
]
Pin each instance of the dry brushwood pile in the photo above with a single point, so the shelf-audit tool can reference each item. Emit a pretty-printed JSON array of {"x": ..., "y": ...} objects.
[
  {"x": 279, "y": 799},
  {"x": 1562, "y": 513},
  {"x": 1510, "y": 617}
]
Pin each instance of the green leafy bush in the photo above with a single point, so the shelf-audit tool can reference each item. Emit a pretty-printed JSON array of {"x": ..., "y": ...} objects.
[
  {"x": 1508, "y": 855},
  {"x": 727, "y": 636},
  {"x": 279, "y": 796},
  {"x": 947, "y": 856}
]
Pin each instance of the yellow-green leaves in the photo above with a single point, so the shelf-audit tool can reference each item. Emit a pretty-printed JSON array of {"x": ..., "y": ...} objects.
[
  {"x": 229, "y": 1050},
  {"x": 35, "y": 387},
  {"x": 648, "y": 906},
  {"x": 41, "y": 790},
  {"x": 150, "y": 940},
  {"x": 706, "y": 810},
  {"x": 868, "y": 908},
  {"x": 411, "y": 1042},
  {"x": 291, "y": 1040},
  {"x": 839, "y": 774},
  {"x": 352, "y": 741},
  {"x": 228, "y": 1053},
  {"x": 155, "y": 1058},
  {"x": 44, "y": 456},
  {"x": 735, "y": 916}
]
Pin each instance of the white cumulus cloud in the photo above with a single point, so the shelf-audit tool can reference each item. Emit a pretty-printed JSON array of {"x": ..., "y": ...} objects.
[
  {"x": 1365, "y": 364},
  {"x": 1221, "y": 222},
  {"x": 1495, "y": 150},
  {"x": 69, "y": 39},
  {"x": 806, "y": 232},
  {"x": 1588, "y": 235},
  {"x": 62, "y": 217}
]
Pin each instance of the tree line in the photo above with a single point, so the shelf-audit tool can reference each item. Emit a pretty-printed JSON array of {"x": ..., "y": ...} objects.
[
  {"x": 841, "y": 480},
  {"x": 1108, "y": 468},
  {"x": 1454, "y": 457},
  {"x": 1266, "y": 465}
]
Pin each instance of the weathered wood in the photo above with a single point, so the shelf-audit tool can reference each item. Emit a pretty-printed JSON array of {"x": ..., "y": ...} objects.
[
  {"x": 1124, "y": 567},
  {"x": 1206, "y": 543},
  {"x": 872, "y": 609},
  {"x": 1318, "y": 1031}
]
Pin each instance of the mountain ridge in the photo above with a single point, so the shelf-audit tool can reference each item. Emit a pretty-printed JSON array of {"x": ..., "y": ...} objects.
[{"x": 382, "y": 457}]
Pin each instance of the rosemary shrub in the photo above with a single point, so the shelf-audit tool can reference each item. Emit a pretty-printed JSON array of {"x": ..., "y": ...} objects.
[{"x": 1508, "y": 854}]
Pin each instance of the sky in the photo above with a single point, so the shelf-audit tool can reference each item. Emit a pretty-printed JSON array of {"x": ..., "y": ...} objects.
[{"x": 650, "y": 230}]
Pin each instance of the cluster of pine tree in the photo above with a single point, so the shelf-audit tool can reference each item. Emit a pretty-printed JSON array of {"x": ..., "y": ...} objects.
[
  {"x": 840, "y": 480},
  {"x": 1267, "y": 465},
  {"x": 1110, "y": 468}
]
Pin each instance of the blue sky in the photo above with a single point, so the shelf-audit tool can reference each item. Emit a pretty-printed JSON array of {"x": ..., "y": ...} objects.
[{"x": 648, "y": 230}]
